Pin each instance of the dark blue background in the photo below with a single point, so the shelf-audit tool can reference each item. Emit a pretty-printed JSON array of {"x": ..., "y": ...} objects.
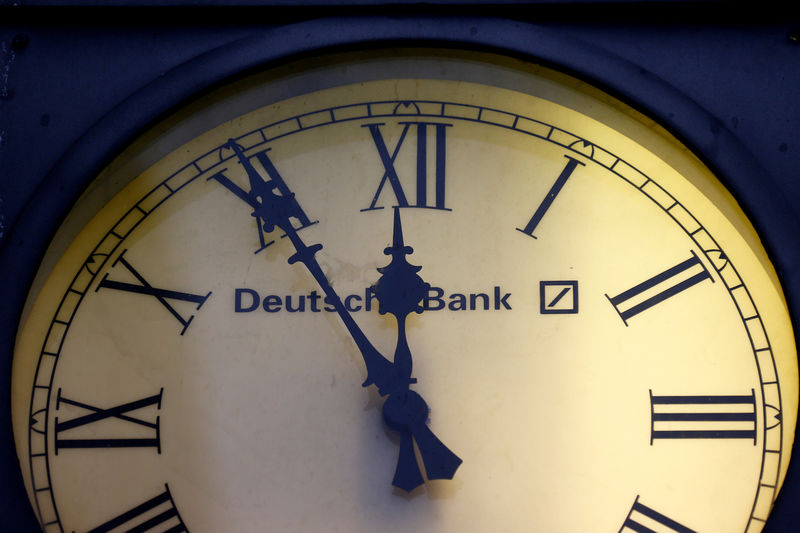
[{"x": 722, "y": 77}]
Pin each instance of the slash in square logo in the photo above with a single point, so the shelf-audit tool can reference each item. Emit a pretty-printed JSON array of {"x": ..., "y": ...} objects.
[{"x": 558, "y": 297}]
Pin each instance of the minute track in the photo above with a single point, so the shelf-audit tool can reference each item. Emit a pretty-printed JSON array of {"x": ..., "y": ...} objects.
[{"x": 275, "y": 279}]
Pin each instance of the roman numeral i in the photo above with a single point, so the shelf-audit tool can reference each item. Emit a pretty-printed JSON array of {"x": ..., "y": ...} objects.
[{"x": 550, "y": 197}]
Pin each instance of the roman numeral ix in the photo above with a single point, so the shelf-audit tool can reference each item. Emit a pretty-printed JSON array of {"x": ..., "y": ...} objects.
[{"x": 112, "y": 439}]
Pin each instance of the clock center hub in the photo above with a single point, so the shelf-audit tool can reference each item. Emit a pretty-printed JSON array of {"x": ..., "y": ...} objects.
[{"x": 404, "y": 410}]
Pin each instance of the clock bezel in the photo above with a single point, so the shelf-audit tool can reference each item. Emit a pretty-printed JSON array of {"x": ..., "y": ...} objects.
[{"x": 737, "y": 168}]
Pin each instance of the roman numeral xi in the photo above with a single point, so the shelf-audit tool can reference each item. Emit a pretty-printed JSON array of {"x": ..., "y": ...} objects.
[{"x": 264, "y": 180}]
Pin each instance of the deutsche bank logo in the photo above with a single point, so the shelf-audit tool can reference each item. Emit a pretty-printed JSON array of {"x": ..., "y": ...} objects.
[{"x": 558, "y": 297}]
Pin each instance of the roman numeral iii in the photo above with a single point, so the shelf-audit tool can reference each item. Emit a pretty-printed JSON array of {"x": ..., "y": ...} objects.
[{"x": 703, "y": 417}]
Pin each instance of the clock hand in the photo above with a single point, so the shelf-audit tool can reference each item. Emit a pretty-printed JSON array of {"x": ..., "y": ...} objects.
[
  {"x": 399, "y": 291},
  {"x": 277, "y": 210}
]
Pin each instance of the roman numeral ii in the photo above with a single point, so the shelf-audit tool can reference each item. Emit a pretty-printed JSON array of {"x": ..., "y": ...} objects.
[{"x": 660, "y": 287}]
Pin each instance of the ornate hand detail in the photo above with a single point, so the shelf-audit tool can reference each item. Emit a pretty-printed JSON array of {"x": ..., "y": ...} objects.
[{"x": 399, "y": 291}]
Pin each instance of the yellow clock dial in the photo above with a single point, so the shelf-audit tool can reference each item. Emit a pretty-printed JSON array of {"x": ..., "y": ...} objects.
[{"x": 595, "y": 340}]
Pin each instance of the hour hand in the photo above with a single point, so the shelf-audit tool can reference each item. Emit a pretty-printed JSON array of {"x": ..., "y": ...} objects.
[
  {"x": 407, "y": 413},
  {"x": 399, "y": 291},
  {"x": 274, "y": 204}
]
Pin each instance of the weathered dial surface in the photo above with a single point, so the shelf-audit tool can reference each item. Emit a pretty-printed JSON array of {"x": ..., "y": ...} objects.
[{"x": 604, "y": 342}]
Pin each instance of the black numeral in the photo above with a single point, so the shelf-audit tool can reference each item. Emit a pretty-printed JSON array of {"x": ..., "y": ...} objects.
[
  {"x": 703, "y": 417},
  {"x": 643, "y": 519},
  {"x": 162, "y": 295},
  {"x": 97, "y": 415},
  {"x": 157, "y": 513},
  {"x": 391, "y": 176},
  {"x": 260, "y": 189},
  {"x": 550, "y": 197},
  {"x": 665, "y": 285}
]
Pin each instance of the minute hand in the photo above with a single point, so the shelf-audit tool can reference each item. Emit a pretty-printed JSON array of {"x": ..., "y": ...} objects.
[
  {"x": 380, "y": 370},
  {"x": 271, "y": 210},
  {"x": 405, "y": 411}
]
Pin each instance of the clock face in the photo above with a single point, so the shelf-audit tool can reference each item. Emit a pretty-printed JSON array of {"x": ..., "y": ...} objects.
[{"x": 599, "y": 338}]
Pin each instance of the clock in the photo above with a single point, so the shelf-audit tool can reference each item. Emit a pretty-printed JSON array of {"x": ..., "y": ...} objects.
[{"x": 401, "y": 287}]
